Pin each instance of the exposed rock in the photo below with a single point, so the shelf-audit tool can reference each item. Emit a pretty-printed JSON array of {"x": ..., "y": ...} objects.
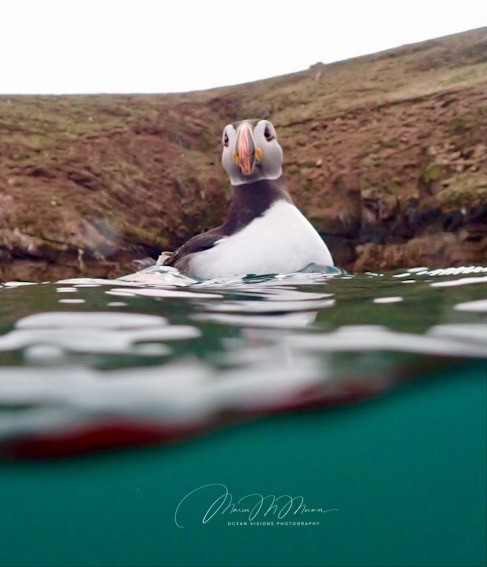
[{"x": 341, "y": 215}]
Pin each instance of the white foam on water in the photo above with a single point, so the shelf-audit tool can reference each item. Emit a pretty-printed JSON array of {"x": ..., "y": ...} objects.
[
  {"x": 14, "y": 284},
  {"x": 249, "y": 306},
  {"x": 44, "y": 354},
  {"x": 90, "y": 319},
  {"x": 159, "y": 275},
  {"x": 372, "y": 337},
  {"x": 168, "y": 293},
  {"x": 98, "y": 282},
  {"x": 151, "y": 349},
  {"x": 280, "y": 321},
  {"x": 461, "y": 281},
  {"x": 465, "y": 335},
  {"x": 111, "y": 333},
  {"x": 479, "y": 306},
  {"x": 121, "y": 293}
]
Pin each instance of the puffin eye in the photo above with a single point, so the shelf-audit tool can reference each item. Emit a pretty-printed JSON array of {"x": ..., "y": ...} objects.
[
  {"x": 268, "y": 133},
  {"x": 225, "y": 139}
]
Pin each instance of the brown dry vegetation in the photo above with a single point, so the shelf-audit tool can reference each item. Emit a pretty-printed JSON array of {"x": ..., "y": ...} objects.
[{"x": 386, "y": 154}]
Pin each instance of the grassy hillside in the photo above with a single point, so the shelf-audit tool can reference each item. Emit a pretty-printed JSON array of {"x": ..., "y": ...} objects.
[{"x": 386, "y": 154}]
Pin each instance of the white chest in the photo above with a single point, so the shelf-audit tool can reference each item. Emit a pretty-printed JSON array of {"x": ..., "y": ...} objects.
[{"x": 280, "y": 241}]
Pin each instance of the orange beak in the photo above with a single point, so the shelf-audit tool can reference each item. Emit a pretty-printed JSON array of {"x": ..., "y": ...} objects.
[{"x": 246, "y": 149}]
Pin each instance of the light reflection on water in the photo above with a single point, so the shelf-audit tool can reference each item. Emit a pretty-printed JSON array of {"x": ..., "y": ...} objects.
[{"x": 157, "y": 356}]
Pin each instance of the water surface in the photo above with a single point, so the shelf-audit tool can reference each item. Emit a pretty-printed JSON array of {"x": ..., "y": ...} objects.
[{"x": 156, "y": 357}]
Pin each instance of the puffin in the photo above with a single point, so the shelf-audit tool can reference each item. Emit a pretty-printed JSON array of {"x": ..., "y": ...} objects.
[{"x": 264, "y": 232}]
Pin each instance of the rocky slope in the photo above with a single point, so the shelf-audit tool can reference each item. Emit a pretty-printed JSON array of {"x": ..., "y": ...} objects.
[{"x": 386, "y": 154}]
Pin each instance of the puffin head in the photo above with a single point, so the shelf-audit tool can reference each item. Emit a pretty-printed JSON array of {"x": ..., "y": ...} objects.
[{"x": 251, "y": 151}]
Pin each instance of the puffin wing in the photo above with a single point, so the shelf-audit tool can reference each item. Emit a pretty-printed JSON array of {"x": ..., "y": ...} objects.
[{"x": 180, "y": 258}]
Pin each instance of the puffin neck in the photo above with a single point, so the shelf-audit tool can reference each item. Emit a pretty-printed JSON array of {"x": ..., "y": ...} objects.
[{"x": 251, "y": 200}]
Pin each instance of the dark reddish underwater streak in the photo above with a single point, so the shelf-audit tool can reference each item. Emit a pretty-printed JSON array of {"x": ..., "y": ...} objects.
[{"x": 129, "y": 433}]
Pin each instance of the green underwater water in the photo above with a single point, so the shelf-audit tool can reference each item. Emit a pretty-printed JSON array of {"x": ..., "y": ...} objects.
[{"x": 403, "y": 473}]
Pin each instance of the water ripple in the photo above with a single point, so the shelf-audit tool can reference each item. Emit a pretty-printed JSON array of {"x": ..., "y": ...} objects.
[{"x": 174, "y": 356}]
